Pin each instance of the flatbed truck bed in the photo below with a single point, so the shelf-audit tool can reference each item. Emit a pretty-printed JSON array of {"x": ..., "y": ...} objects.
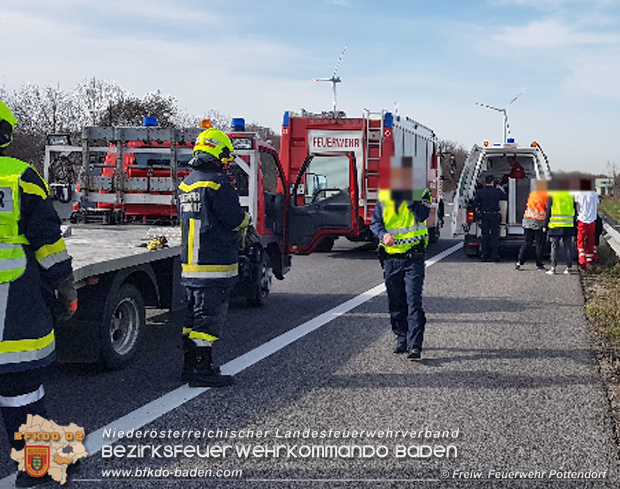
[{"x": 117, "y": 278}]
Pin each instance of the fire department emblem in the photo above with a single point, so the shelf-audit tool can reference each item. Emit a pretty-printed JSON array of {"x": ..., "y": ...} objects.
[{"x": 37, "y": 460}]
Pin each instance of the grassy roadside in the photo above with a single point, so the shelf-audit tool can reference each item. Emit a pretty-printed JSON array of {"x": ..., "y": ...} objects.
[
  {"x": 601, "y": 288},
  {"x": 610, "y": 206}
]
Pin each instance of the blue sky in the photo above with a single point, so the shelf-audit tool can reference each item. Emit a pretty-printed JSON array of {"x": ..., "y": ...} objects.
[{"x": 434, "y": 58}]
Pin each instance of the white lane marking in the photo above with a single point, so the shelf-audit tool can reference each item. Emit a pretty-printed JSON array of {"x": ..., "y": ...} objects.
[{"x": 176, "y": 398}]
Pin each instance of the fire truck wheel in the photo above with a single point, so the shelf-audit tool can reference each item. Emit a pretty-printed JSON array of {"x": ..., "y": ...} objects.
[
  {"x": 260, "y": 291},
  {"x": 325, "y": 245},
  {"x": 123, "y": 326}
]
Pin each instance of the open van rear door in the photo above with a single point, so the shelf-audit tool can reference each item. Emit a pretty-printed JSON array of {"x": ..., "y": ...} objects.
[{"x": 324, "y": 201}]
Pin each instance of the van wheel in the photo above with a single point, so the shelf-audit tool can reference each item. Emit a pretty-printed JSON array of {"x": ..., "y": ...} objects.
[
  {"x": 469, "y": 249},
  {"x": 122, "y": 329},
  {"x": 260, "y": 291}
]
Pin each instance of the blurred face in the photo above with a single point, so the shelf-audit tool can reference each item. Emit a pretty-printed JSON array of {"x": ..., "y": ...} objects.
[
  {"x": 401, "y": 178},
  {"x": 542, "y": 185}
]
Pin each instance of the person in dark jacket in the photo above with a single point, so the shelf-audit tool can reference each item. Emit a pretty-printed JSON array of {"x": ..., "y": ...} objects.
[
  {"x": 36, "y": 288},
  {"x": 211, "y": 219},
  {"x": 486, "y": 205}
]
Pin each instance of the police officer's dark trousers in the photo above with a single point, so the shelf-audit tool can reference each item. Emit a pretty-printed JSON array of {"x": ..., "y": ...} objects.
[
  {"x": 404, "y": 279},
  {"x": 490, "y": 235}
]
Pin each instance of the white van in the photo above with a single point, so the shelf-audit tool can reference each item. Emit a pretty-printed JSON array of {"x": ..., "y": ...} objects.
[{"x": 498, "y": 161}]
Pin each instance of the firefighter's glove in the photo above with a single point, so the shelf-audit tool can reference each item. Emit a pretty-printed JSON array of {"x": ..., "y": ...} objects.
[
  {"x": 242, "y": 230},
  {"x": 252, "y": 237},
  {"x": 66, "y": 300},
  {"x": 242, "y": 237},
  {"x": 157, "y": 243}
]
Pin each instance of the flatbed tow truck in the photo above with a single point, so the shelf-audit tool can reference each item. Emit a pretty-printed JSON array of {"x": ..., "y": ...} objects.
[{"x": 116, "y": 276}]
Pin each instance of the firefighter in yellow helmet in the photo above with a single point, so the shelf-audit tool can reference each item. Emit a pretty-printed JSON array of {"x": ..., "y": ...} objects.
[
  {"x": 36, "y": 287},
  {"x": 211, "y": 218}
]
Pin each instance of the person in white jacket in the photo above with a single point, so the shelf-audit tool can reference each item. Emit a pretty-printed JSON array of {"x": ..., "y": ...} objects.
[{"x": 586, "y": 202}]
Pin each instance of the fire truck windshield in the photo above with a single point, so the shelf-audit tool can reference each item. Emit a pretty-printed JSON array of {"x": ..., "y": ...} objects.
[{"x": 327, "y": 176}]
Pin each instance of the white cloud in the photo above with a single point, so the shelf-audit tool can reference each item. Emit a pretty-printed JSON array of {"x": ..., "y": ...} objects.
[
  {"x": 229, "y": 73},
  {"x": 553, "y": 33},
  {"x": 595, "y": 77},
  {"x": 552, "y": 4},
  {"x": 341, "y": 3},
  {"x": 587, "y": 60},
  {"x": 123, "y": 10}
]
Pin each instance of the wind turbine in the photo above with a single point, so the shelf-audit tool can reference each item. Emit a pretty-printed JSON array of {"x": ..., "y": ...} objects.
[
  {"x": 334, "y": 79},
  {"x": 504, "y": 113}
]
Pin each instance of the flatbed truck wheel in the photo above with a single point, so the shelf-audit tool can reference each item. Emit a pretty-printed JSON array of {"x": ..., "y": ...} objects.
[
  {"x": 260, "y": 290},
  {"x": 123, "y": 326}
]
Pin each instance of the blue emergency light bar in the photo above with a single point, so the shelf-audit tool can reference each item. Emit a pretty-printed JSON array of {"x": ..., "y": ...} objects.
[
  {"x": 286, "y": 121},
  {"x": 149, "y": 121},
  {"x": 238, "y": 124},
  {"x": 510, "y": 140}
]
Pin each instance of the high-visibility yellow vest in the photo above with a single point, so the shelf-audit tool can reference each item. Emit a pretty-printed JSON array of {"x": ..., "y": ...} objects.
[
  {"x": 12, "y": 255},
  {"x": 562, "y": 210},
  {"x": 402, "y": 225}
]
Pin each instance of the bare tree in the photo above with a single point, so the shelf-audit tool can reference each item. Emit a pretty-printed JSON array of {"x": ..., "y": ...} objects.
[
  {"x": 45, "y": 110},
  {"x": 92, "y": 99},
  {"x": 453, "y": 156}
]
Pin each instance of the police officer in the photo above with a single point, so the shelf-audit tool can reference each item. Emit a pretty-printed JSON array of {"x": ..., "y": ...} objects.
[
  {"x": 34, "y": 266},
  {"x": 486, "y": 204},
  {"x": 400, "y": 226},
  {"x": 211, "y": 219}
]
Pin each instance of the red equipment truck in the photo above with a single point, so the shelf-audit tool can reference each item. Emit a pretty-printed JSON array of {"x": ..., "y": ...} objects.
[{"x": 333, "y": 165}]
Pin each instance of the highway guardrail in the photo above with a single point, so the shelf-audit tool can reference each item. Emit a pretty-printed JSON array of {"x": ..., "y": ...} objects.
[{"x": 612, "y": 234}]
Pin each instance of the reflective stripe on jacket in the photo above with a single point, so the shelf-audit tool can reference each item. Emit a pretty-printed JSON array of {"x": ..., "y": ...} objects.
[
  {"x": 536, "y": 204},
  {"x": 402, "y": 224},
  {"x": 562, "y": 210}
]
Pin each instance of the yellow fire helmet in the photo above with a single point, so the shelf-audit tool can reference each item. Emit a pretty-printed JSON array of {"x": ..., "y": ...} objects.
[
  {"x": 7, "y": 123},
  {"x": 216, "y": 143}
]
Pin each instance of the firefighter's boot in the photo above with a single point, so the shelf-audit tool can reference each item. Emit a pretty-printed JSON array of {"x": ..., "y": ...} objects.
[
  {"x": 203, "y": 374},
  {"x": 188, "y": 358}
]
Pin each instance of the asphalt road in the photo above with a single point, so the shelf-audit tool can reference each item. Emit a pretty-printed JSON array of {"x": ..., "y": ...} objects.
[{"x": 507, "y": 371}]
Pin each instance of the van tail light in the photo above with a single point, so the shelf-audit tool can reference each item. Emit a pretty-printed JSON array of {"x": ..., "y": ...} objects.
[{"x": 470, "y": 216}]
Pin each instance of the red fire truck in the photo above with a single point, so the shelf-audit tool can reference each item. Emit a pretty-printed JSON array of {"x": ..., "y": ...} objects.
[{"x": 333, "y": 162}]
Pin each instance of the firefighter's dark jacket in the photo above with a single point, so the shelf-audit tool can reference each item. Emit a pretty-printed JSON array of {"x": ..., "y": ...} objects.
[
  {"x": 211, "y": 217},
  {"x": 26, "y": 328}
]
